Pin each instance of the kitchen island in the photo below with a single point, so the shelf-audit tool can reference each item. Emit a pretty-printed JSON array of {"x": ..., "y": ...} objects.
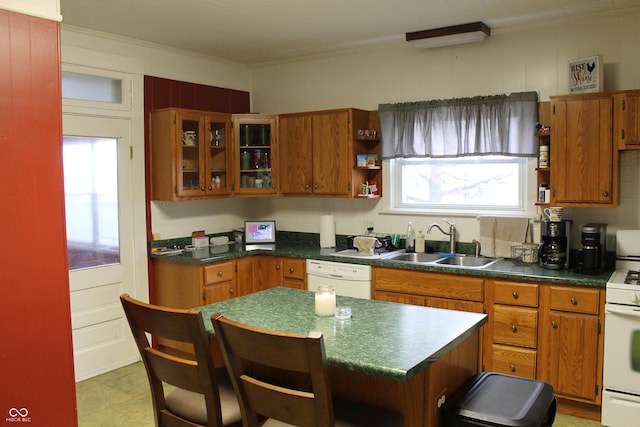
[{"x": 404, "y": 357}]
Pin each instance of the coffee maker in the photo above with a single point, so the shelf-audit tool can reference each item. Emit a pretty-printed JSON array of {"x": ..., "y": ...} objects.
[
  {"x": 553, "y": 252},
  {"x": 594, "y": 248}
]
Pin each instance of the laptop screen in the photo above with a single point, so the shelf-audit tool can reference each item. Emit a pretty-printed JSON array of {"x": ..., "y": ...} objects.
[{"x": 259, "y": 232}]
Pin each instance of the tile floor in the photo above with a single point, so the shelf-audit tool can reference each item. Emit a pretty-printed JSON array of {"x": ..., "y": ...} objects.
[{"x": 121, "y": 398}]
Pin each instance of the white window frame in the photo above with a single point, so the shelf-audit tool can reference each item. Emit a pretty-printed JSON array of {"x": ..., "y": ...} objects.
[
  {"x": 117, "y": 109},
  {"x": 396, "y": 205}
]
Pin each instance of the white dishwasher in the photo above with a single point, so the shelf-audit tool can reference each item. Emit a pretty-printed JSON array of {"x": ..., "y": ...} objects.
[{"x": 351, "y": 280}]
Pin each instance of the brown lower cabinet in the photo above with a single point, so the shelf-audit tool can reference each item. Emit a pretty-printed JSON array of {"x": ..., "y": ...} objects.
[
  {"x": 186, "y": 285},
  {"x": 547, "y": 331}
]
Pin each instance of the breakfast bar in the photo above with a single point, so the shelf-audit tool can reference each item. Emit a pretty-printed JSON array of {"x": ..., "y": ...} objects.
[{"x": 404, "y": 357}]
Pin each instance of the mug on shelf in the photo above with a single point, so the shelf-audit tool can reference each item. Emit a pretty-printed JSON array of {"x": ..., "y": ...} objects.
[
  {"x": 189, "y": 137},
  {"x": 554, "y": 213}
]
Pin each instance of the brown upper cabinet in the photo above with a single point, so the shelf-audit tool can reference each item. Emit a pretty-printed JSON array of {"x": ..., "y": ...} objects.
[
  {"x": 190, "y": 154},
  {"x": 255, "y": 147},
  {"x": 583, "y": 159},
  {"x": 626, "y": 127},
  {"x": 318, "y": 153}
]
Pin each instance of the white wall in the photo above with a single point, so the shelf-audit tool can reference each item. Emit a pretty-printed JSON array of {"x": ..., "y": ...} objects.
[{"x": 525, "y": 59}]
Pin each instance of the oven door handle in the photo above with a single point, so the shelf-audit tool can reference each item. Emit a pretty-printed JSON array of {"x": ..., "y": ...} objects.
[{"x": 632, "y": 312}]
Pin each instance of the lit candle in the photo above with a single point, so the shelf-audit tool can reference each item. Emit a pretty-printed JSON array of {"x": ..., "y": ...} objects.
[{"x": 325, "y": 300}]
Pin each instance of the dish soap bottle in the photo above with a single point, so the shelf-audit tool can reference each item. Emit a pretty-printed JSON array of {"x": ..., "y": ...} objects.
[
  {"x": 420, "y": 242},
  {"x": 410, "y": 245}
]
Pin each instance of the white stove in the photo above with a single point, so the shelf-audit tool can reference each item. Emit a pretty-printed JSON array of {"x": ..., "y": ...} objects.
[{"x": 621, "y": 395}]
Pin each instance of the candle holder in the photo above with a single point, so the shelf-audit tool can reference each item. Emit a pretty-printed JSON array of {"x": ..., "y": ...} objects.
[{"x": 325, "y": 300}]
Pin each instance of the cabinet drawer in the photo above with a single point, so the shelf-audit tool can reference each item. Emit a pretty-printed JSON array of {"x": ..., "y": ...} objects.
[
  {"x": 452, "y": 286},
  {"x": 218, "y": 273},
  {"x": 294, "y": 268},
  {"x": 514, "y": 293},
  {"x": 514, "y": 361},
  {"x": 515, "y": 326},
  {"x": 575, "y": 300}
]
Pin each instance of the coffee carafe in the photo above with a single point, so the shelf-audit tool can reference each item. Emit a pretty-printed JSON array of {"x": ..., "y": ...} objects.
[
  {"x": 553, "y": 252},
  {"x": 594, "y": 248}
]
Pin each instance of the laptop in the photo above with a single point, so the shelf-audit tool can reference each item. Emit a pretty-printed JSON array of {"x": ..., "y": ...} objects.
[{"x": 260, "y": 235}]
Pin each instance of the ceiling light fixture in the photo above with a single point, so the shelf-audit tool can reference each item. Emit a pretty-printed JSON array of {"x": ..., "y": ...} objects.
[{"x": 446, "y": 36}]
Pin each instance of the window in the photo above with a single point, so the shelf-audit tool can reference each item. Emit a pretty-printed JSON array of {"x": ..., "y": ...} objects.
[
  {"x": 473, "y": 184},
  {"x": 91, "y": 201}
]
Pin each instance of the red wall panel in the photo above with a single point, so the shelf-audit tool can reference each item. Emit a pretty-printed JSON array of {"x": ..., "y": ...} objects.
[{"x": 36, "y": 354}]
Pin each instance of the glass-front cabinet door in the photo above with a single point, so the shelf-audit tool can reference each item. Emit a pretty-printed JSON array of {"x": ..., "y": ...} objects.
[
  {"x": 218, "y": 155},
  {"x": 255, "y": 164},
  {"x": 189, "y": 141}
]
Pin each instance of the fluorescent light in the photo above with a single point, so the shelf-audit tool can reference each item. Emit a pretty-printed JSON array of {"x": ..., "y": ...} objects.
[{"x": 446, "y": 36}]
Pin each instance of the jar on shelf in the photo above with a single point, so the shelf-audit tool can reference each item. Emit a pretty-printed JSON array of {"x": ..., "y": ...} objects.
[
  {"x": 543, "y": 160},
  {"x": 245, "y": 158}
]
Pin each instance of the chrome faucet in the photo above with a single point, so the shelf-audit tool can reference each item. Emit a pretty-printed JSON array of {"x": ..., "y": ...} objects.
[
  {"x": 451, "y": 234},
  {"x": 478, "y": 247}
]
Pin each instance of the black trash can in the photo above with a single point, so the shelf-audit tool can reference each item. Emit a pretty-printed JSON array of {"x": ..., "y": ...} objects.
[{"x": 495, "y": 400}]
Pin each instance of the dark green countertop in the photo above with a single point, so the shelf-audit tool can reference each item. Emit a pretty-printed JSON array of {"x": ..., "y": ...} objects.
[
  {"x": 384, "y": 339},
  {"x": 504, "y": 269}
]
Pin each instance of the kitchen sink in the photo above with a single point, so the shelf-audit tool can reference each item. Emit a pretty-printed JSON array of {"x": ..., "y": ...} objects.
[
  {"x": 415, "y": 257},
  {"x": 466, "y": 261}
]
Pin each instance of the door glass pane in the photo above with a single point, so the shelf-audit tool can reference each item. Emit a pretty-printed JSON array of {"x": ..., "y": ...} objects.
[
  {"x": 91, "y": 200},
  {"x": 91, "y": 88}
]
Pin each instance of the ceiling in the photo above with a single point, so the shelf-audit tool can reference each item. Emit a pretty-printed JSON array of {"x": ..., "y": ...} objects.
[{"x": 258, "y": 31}]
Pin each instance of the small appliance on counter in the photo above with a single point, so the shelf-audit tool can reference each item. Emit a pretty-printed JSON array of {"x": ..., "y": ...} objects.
[
  {"x": 592, "y": 257},
  {"x": 554, "y": 244}
]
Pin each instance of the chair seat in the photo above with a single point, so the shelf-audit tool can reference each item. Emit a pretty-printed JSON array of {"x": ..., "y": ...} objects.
[
  {"x": 191, "y": 406},
  {"x": 355, "y": 414}
]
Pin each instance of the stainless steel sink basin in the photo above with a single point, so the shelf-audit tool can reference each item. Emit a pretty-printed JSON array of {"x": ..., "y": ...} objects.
[
  {"x": 466, "y": 261},
  {"x": 415, "y": 257}
]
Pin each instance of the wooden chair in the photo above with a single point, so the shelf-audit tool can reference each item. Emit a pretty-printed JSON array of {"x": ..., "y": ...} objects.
[
  {"x": 198, "y": 399},
  {"x": 285, "y": 403}
]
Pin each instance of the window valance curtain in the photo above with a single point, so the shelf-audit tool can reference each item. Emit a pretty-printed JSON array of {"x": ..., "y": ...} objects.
[{"x": 482, "y": 125}]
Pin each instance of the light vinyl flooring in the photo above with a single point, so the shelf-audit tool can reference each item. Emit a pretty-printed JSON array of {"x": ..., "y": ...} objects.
[{"x": 121, "y": 398}]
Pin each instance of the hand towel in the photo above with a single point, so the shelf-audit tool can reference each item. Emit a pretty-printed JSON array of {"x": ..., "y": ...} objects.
[
  {"x": 365, "y": 245},
  {"x": 487, "y": 236},
  {"x": 509, "y": 231}
]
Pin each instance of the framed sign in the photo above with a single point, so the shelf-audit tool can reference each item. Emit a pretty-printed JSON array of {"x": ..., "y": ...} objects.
[{"x": 585, "y": 75}]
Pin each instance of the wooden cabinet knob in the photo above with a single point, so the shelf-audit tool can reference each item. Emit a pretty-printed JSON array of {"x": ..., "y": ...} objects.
[
  {"x": 290, "y": 269},
  {"x": 202, "y": 188},
  {"x": 220, "y": 273},
  {"x": 554, "y": 325},
  {"x": 277, "y": 266},
  {"x": 515, "y": 295},
  {"x": 605, "y": 193},
  {"x": 574, "y": 301},
  {"x": 514, "y": 328},
  {"x": 306, "y": 186},
  {"x": 512, "y": 367},
  {"x": 315, "y": 186},
  {"x": 231, "y": 291}
]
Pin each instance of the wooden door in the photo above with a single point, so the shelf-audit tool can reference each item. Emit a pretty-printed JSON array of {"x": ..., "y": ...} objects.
[
  {"x": 244, "y": 276},
  {"x": 626, "y": 110},
  {"x": 573, "y": 355},
  {"x": 296, "y": 155},
  {"x": 189, "y": 159},
  {"x": 218, "y": 292},
  {"x": 268, "y": 272},
  {"x": 217, "y": 154},
  {"x": 331, "y": 159},
  {"x": 582, "y": 155}
]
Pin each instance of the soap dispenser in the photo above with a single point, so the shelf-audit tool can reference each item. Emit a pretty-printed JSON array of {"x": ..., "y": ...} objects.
[
  {"x": 410, "y": 245},
  {"x": 420, "y": 242}
]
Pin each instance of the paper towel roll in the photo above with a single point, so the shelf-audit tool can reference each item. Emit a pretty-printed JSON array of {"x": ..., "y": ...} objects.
[{"x": 327, "y": 231}]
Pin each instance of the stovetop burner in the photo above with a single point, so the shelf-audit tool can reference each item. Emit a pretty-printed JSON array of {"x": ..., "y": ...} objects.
[{"x": 632, "y": 278}]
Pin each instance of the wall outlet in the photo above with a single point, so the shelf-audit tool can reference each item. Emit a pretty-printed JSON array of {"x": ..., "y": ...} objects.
[
  {"x": 156, "y": 236},
  {"x": 367, "y": 225}
]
